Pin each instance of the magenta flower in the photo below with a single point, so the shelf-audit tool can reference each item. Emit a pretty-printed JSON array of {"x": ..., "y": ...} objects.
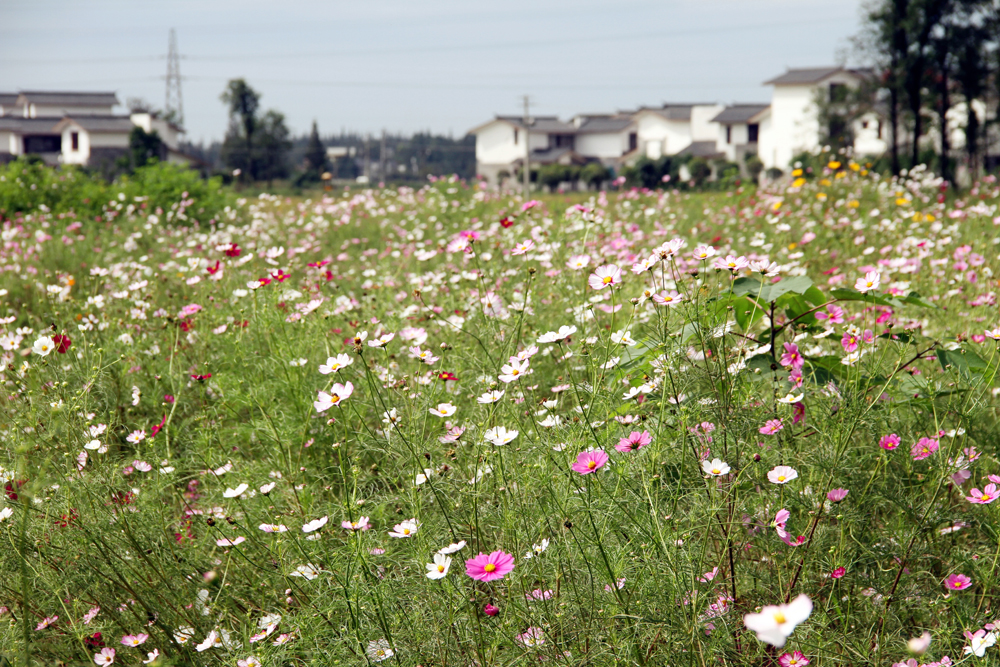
[
  {"x": 836, "y": 495},
  {"x": 634, "y": 441},
  {"x": 835, "y": 314},
  {"x": 780, "y": 520},
  {"x": 923, "y": 448},
  {"x": 792, "y": 357},
  {"x": 795, "y": 659},
  {"x": 605, "y": 276},
  {"x": 588, "y": 462},
  {"x": 838, "y": 573},
  {"x": 489, "y": 567},
  {"x": 849, "y": 342},
  {"x": 984, "y": 497},
  {"x": 490, "y": 610},
  {"x": 771, "y": 426},
  {"x": 957, "y": 582},
  {"x": 889, "y": 442}
]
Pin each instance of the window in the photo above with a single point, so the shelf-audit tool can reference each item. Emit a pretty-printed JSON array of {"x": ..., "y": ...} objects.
[
  {"x": 515, "y": 135},
  {"x": 633, "y": 141},
  {"x": 878, "y": 128},
  {"x": 729, "y": 134},
  {"x": 753, "y": 130},
  {"x": 864, "y": 124},
  {"x": 74, "y": 138}
]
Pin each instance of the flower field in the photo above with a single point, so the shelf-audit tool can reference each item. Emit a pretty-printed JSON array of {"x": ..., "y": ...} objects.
[{"x": 446, "y": 426}]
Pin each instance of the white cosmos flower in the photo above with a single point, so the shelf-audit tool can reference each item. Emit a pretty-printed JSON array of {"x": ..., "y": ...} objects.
[
  {"x": 715, "y": 467},
  {"x": 773, "y": 624},
  {"x": 308, "y": 572},
  {"x": 452, "y": 548},
  {"x": 43, "y": 346},
  {"x": 791, "y": 398},
  {"x": 981, "y": 641},
  {"x": 491, "y": 396},
  {"x": 439, "y": 568},
  {"x": 238, "y": 491},
  {"x": 623, "y": 338},
  {"x": 405, "y": 529},
  {"x": 444, "y": 410},
  {"x": 273, "y": 527},
  {"x": 499, "y": 435},
  {"x": 267, "y": 488},
  {"x": 315, "y": 524}
]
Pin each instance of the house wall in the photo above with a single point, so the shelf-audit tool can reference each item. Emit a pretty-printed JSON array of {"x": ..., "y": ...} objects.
[
  {"x": 168, "y": 135},
  {"x": 108, "y": 140},
  {"x": 10, "y": 143},
  {"x": 702, "y": 127},
  {"x": 795, "y": 121},
  {"x": 602, "y": 145},
  {"x": 739, "y": 136},
  {"x": 659, "y": 136},
  {"x": 495, "y": 144},
  {"x": 82, "y": 154}
]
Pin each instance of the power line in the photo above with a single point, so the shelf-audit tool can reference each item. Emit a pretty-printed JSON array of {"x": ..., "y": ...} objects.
[{"x": 435, "y": 48}]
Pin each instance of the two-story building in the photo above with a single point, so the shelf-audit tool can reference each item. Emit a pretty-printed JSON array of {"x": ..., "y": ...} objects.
[{"x": 76, "y": 128}]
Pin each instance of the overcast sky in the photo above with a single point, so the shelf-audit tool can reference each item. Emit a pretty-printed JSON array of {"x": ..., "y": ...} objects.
[{"x": 443, "y": 65}]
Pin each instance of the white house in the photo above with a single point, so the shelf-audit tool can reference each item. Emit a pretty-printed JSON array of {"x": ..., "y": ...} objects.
[
  {"x": 795, "y": 124},
  {"x": 672, "y": 128},
  {"x": 740, "y": 130},
  {"x": 76, "y": 128}
]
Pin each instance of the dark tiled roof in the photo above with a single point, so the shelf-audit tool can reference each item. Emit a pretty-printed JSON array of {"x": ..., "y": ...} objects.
[
  {"x": 540, "y": 123},
  {"x": 603, "y": 123},
  {"x": 8, "y": 99},
  {"x": 29, "y": 125},
  {"x": 740, "y": 113},
  {"x": 75, "y": 99},
  {"x": 701, "y": 149},
  {"x": 100, "y": 123},
  {"x": 810, "y": 75}
]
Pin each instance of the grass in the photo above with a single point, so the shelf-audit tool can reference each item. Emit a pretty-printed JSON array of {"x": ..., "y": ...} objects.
[{"x": 188, "y": 539}]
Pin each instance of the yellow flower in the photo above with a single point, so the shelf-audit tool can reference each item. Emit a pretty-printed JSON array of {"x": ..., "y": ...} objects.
[
  {"x": 902, "y": 201},
  {"x": 854, "y": 203},
  {"x": 796, "y": 172},
  {"x": 825, "y": 181},
  {"x": 841, "y": 174},
  {"x": 776, "y": 205},
  {"x": 864, "y": 172},
  {"x": 928, "y": 217},
  {"x": 821, "y": 196},
  {"x": 833, "y": 164},
  {"x": 798, "y": 182},
  {"x": 854, "y": 166},
  {"x": 792, "y": 246}
]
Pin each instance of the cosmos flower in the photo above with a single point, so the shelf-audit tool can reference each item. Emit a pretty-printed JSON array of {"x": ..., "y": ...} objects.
[
  {"x": 889, "y": 442},
  {"x": 957, "y": 582},
  {"x": 361, "y": 524},
  {"x": 489, "y": 567},
  {"x": 444, "y": 410},
  {"x": 608, "y": 275},
  {"x": 715, "y": 467},
  {"x": 405, "y": 529},
  {"x": 135, "y": 640},
  {"x": 338, "y": 393},
  {"x": 439, "y": 568},
  {"x": 987, "y": 495},
  {"x": 588, "y": 462},
  {"x": 771, "y": 426},
  {"x": 634, "y": 441},
  {"x": 773, "y": 624},
  {"x": 379, "y": 650},
  {"x": 781, "y": 475},
  {"x": 105, "y": 657},
  {"x": 498, "y": 435},
  {"x": 870, "y": 282}
]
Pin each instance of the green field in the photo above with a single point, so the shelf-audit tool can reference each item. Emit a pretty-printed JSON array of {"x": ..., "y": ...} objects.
[{"x": 241, "y": 431}]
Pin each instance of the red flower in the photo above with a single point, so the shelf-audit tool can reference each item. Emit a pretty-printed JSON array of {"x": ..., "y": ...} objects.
[
  {"x": 838, "y": 573},
  {"x": 158, "y": 427},
  {"x": 62, "y": 342},
  {"x": 233, "y": 250},
  {"x": 506, "y": 221},
  {"x": 444, "y": 377},
  {"x": 94, "y": 641},
  {"x": 280, "y": 276},
  {"x": 320, "y": 264},
  {"x": 212, "y": 270},
  {"x": 200, "y": 378}
]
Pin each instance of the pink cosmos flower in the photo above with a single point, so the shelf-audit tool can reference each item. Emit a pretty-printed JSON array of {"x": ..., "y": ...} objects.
[
  {"x": 588, "y": 462},
  {"x": 538, "y": 594},
  {"x": 360, "y": 524},
  {"x": 605, "y": 276},
  {"x": 849, "y": 342},
  {"x": 531, "y": 638},
  {"x": 489, "y": 567},
  {"x": 771, "y": 426},
  {"x": 732, "y": 263},
  {"x": 836, "y": 495},
  {"x": 795, "y": 659},
  {"x": 668, "y": 298},
  {"x": 46, "y": 622},
  {"x": 792, "y": 357},
  {"x": 780, "y": 520},
  {"x": 523, "y": 247},
  {"x": 338, "y": 393},
  {"x": 834, "y": 314},
  {"x": 957, "y": 582},
  {"x": 490, "y": 610},
  {"x": 923, "y": 448},
  {"x": 984, "y": 497},
  {"x": 634, "y": 441},
  {"x": 869, "y": 282},
  {"x": 889, "y": 442},
  {"x": 838, "y": 573},
  {"x": 135, "y": 640}
]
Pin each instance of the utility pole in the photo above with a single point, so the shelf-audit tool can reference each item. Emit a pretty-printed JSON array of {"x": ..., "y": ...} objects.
[
  {"x": 526, "y": 169},
  {"x": 381, "y": 158},
  {"x": 174, "y": 106}
]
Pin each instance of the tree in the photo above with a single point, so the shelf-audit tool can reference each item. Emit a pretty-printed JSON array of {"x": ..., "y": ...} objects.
[
  {"x": 144, "y": 147},
  {"x": 271, "y": 151},
  {"x": 593, "y": 174},
  {"x": 316, "y": 160},
  {"x": 238, "y": 147}
]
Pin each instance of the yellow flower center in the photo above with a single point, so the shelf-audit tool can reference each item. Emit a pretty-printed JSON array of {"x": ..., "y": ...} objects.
[
  {"x": 515, "y": 372},
  {"x": 334, "y": 398},
  {"x": 985, "y": 496},
  {"x": 591, "y": 465},
  {"x": 779, "y": 617},
  {"x": 490, "y": 567},
  {"x": 607, "y": 279},
  {"x": 716, "y": 471},
  {"x": 406, "y": 531},
  {"x": 781, "y": 478},
  {"x": 440, "y": 568}
]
